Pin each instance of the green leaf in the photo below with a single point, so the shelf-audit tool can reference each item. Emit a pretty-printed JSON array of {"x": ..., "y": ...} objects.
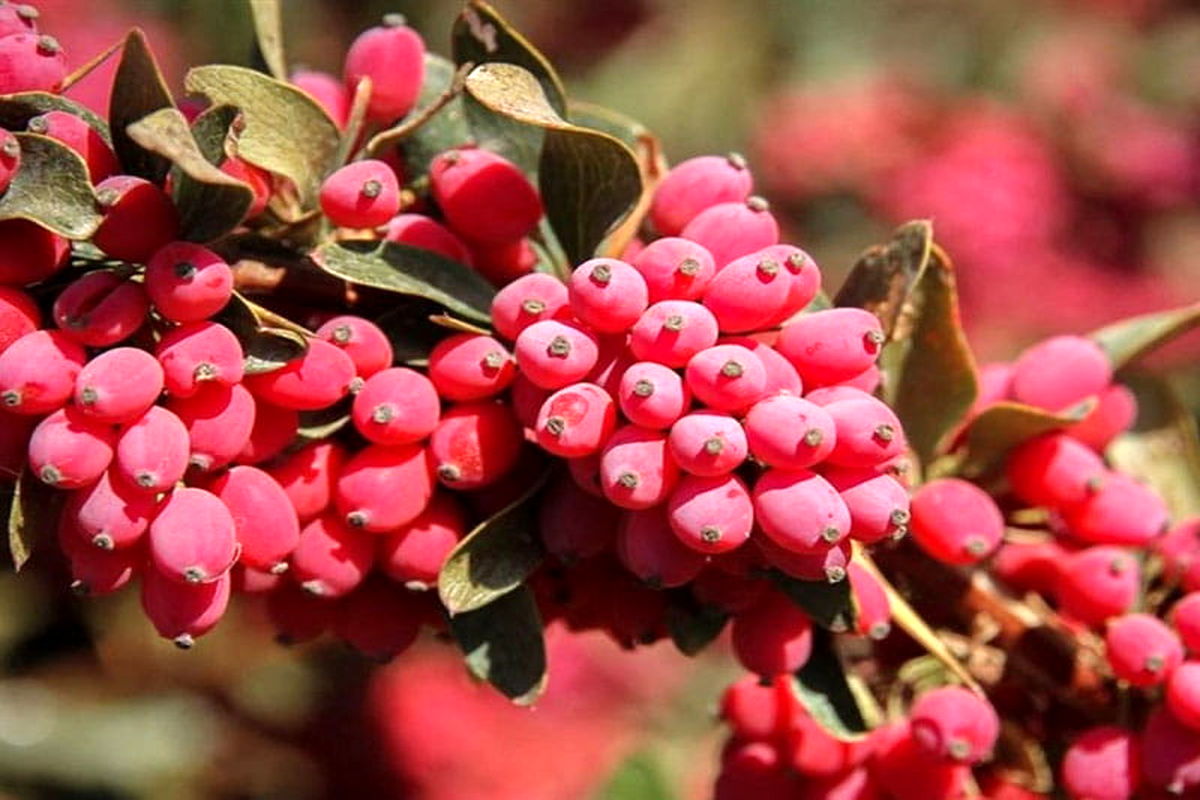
[
  {"x": 17, "y": 109},
  {"x": 322, "y": 424},
  {"x": 268, "y": 34},
  {"x": 1130, "y": 339},
  {"x": 1164, "y": 448},
  {"x": 138, "y": 91},
  {"x": 931, "y": 374},
  {"x": 639, "y": 777},
  {"x": 823, "y": 690},
  {"x": 52, "y": 189},
  {"x": 410, "y": 331},
  {"x": 266, "y": 349},
  {"x": 589, "y": 180},
  {"x": 1006, "y": 424},
  {"x": 883, "y": 276},
  {"x": 210, "y": 202},
  {"x": 446, "y": 130},
  {"x": 606, "y": 120},
  {"x": 516, "y": 141},
  {"x": 481, "y": 35},
  {"x": 32, "y": 516},
  {"x": 409, "y": 271},
  {"x": 691, "y": 624},
  {"x": 495, "y": 558},
  {"x": 286, "y": 131},
  {"x": 502, "y": 644},
  {"x": 831, "y": 605}
]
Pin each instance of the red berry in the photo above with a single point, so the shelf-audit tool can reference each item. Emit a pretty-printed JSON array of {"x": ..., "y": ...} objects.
[
  {"x": 607, "y": 295},
  {"x": 502, "y": 263},
  {"x": 363, "y": 194},
  {"x": 868, "y": 432},
  {"x": 576, "y": 420},
  {"x": 413, "y": 554},
  {"x": 469, "y": 366},
  {"x": 247, "y": 580},
  {"x": 485, "y": 197},
  {"x": 731, "y": 230},
  {"x": 711, "y": 515},
  {"x": 38, "y": 371},
  {"x": 382, "y": 487},
  {"x": 298, "y": 615},
  {"x": 1054, "y": 471},
  {"x": 1060, "y": 372},
  {"x": 955, "y": 724},
  {"x": 259, "y": 181},
  {"x": 95, "y": 571},
  {"x": 475, "y": 444},
  {"x": 781, "y": 375},
  {"x": 192, "y": 538},
  {"x": 872, "y": 609},
  {"x": 315, "y": 380},
  {"x": 19, "y": 315},
  {"x": 152, "y": 453},
  {"x": 182, "y": 612},
  {"x": 1141, "y": 649},
  {"x": 1183, "y": 693},
  {"x": 750, "y": 770},
  {"x": 378, "y": 619},
  {"x": 804, "y": 279},
  {"x": 575, "y": 524},
  {"x": 831, "y": 346},
  {"x": 111, "y": 514},
  {"x": 955, "y": 521},
  {"x": 910, "y": 772},
  {"x": 708, "y": 443},
  {"x": 188, "y": 282},
  {"x": 726, "y": 377},
  {"x": 651, "y": 395},
  {"x": 1114, "y": 414},
  {"x": 392, "y": 56},
  {"x": 266, "y": 524},
  {"x": 274, "y": 429},
  {"x": 1185, "y": 616},
  {"x": 812, "y": 751},
  {"x": 649, "y": 549},
  {"x": 670, "y": 332},
  {"x": 772, "y": 637},
  {"x": 68, "y": 450},
  {"x": 139, "y": 218},
  {"x": 1179, "y": 550},
  {"x": 309, "y": 475},
  {"x": 698, "y": 184},
  {"x": 425, "y": 233},
  {"x": 10, "y": 155},
  {"x": 1097, "y": 583},
  {"x": 118, "y": 385},
  {"x": 327, "y": 90},
  {"x": 529, "y": 299},
  {"x": 748, "y": 293},
  {"x": 725, "y": 591},
  {"x": 526, "y": 400},
  {"x": 101, "y": 309},
  {"x": 198, "y": 353},
  {"x": 218, "y": 421},
  {"x": 331, "y": 558},
  {"x": 828, "y": 564},
  {"x": 800, "y": 510},
  {"x": 636, "y": 468},
  {"x": 17, "y": 18},
  {"x": 613, "y": 358},
  {"x": 877, "y": 502},
  {"x": 396, "y": 406},
  {"x": 364, "y": 341},
  {"x": 1103, "y": 763},
  {"x": 674, "y": 269},
  {"x": 1120, "y": 511},
  {"x": 1170, "y": 754},
  {"x": 554, "y": 354},
  {"x": 77, "y": 134},
  {"x": 789, "y": 432},
  {"x": 28, "y": 252},
  {"x": 753, "y": 709}
]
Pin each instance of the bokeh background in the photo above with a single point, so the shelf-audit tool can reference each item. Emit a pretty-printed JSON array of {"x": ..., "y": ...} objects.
[{"x": 1056, "y": 146}]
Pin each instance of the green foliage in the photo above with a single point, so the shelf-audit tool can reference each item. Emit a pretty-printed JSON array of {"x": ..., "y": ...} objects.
[
  {"x": 32, "y": 515},
  {"x": 831, "y": 605},
  {"x": 691, "y": 624},
  {"x": 17, "y": 109},
  {"x": 268, "y": 35},
  {"x": 639, "y": 777},
  {"x": 52, "y": 189},
  {"x": 885, "y": 274},
  {"x": 1005, "y": 425},
  {"x": 443, "y": 131},
  {"x": 1129, "y": 339},
  {"x": 502, "y": 644},
  {"x": 266, "y": 348},
  {"x": 138, "y": 91},
  {"x": 822, "y": 687}
]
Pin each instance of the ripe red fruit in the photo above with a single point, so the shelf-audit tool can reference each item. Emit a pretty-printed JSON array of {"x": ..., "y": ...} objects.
[
  {"x": 274, "y": 429},
  {"x": 651, "y": 395},
  {"x": 15, "y": 430},
  {"x": 469, "y": 366},
  {"x": 726, "y": 591},
  {"x": 1120, "y": 511},
  {"x": 955, "y": 521},
  {"x": 19, "y": 315},
  {"x": 1103, "y": 763},
  {"x": 77, "y": 134},
  {"x": 475, "y": 444},
  {"x": 259, "y": 181},
  {"x": 1170, "y": 754},
  {"x": 392, "y": 56},
  {"x": 118, "y": 385},
  {"x": 751, "y": 770},
  {"x": 575, "y": 524},
  {"x": 554, "y": 354},
  {"x": 804, "y": 279},
  {"x": 648, "y": 548},
  {"x": 872, "y": 609},
  {"x": 754, "y": 710},
  {"x": 38, "y": 371},
  {"x": 484, "y": 196},
  {"x": 877, "y": 502},
  {"x": 789, "y": 432},
  {"x": 139, "y": 218},
  {"x": 670, "y": 332},
  {"x": 110, "y": 514},
  {"x": 1098, "y": 583},
  {"x": 772, "y": 637},
  {"x": 327, "y": 90},
  {"x": 955, "y": 724},
  {"x": 378, "y": 619},
  {"x": 188, "y": 282},
  {"x": 831, "y": 346},
  {"x": 674, "y": 269},
  {"x": 383, "y": 487},
  {"x": 17, "y": 18},
  {"x": 607, "y": 294},
  {"x": 95, "y": 571},
  {"x": 363, "y": 194},
  {"x": 309, "y": 475},
  {"x": 726, "y": 377},
  {"x": 1183, "y": 693},
  {"x": 1179, "y": 550},
  {"x": 1059, "y": 372},
  {"x": 331, "y": 558},
  {"x": 1054, "y": 471},
  {"x": 910, "y": 772},
  {"x": 218, "y": 421},
  {"x": 425, "y": 233},
  {"x": 748, "y": 293},
  {"x": 315, "y": 380},
  {"x": 810, "y": 749},
  {"x": 298, "y": 615},
  {"x": 711, "y": 515},
  {"x": 101, "y": 308},
  {"x": 413, "y": 554},
  {"x": 1185, "y": 616},
  {"x": 192, "y": 538},
  {"x": 708, "y": 443},
  {"x": 396, "y": 406},
  {"x": 152, "y": 453},
  {"x": 197, "y": 353},
  {"x": 828, "y": 564},
  {"x": 698, "y": 184},
  {"x": 265, "y": 523},
  {"x": 730, "y": 230},
  {"x": 1114, "y": 414},
  {"x": 68, "y": 450},
  {"x": 1141, "y": 649},
  {"x": 526, "y": 400},
  {"x": 501, "y": 264},
  {"x": 529, "y": 299},
  {"x": 366, "y": 344},
  {"x": 636, "y": 468},
  {"x": 28, "y": 252},
  {"x": 247, "y": 580},
  {"x": 781, "y": 375},
  {"x": 575, "y": 421},
  {"x": 800, "y": 510},
  {"x": 182, "y": 612}
]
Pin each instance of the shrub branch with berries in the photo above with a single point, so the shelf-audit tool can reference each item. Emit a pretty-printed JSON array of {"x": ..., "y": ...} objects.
[{"x": 433, "y": 346}]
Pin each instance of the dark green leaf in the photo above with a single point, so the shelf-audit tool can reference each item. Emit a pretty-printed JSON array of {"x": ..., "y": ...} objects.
[
  {"x": 17, "y": 109},
  {"x": 494, "y": 558},
  {"x": 639, "y": 777},
  {"x": 32, "y": 516},
  {"x": 210, "y": 202},
  {"x": 831, "y": 605},
  {"x": 410, "y": 331},
  {"x": 52, "y": 189},
  {"x": 268, "y": 35},
  {"x": 502, "y": 643},
  {"x": 605, "y": 120},
  {"x": 516, "y": 141},
  {"x": 444, "y": 131},
  {"x": 884, "y": 274},
  {"x": 138, "y": 91},
  {"x": 1130, "y": 339},
  {"x": 692, "y": 625},
  {"x": 316, "y": 425},
  {"x": 931, "y": 378},
  {"x": 410, "y": 271},
  {"x": 286, "y": 131},
  {"x": 822, "y": 688},
  {"x": 1005, "y": 425},
  {"x": 481, "y": 35},
  {"x": 266, "y": 349},
  {"x": 589, "y": 181}
]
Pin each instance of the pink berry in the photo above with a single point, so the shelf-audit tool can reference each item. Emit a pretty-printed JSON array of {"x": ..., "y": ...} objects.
[
  {"x": 392, "y": 56},
  {"x": 670, "y": 332},
  {"x": 259, "y": 181},
  {"x": 298, "y": 615},
  {"x": 731, "y": 230},
  {"x": 383, "y": 487},
  {"x": 247, "y": 580},
  {"x": 111, "y": 513},
  {"x": 363, "y": 194},
  {"x": 1114, "y": 414},
  {"x": 484, "y": 196},
  {"x": 182, "y": 612},
  {"x": 831, "y": 346},
  {"x": 68, "y": 450},
  {"x": 868, "y": 432},
  {"x": 198, "y": 353},
  {"x": 274, "y": 429},
  {"x": 95, "y": 571},
  {"x": 800, "y": 510},
  {"x": 188, "y": 282},
  {"x": 1103, "y": 763},
  {"x": 648, "y": 548},
  {"x": 529, "y": 299},
  {"x": 308, "y": 476},
  {"x": 748, "y": 293},
  {"x": 781, "y": 375},
  {"x": 753, "y": 709},
  {"x": 751, "y": 770},
  {"x": 10, "y": 155},
  {"x": 869, "y": 380},
  {"x": 576, "y": 420},
  {"x": 469, "y": 366},
  {"x": 19, "y": 315},
  {"x": 698, "y": 184},
  {"x": 1059, "y": 372},
  {"x": 955, "y": 521},
  {"x": 501, "y": 264},
  {"x": 139, "y": 218},
  {"x": 218, "y": 420},
  {"x": 1142, "y": 650},
  {"x": 772, "y": 637},
  {"x": 554, "y": 354},
  {"x": 726, "y": 377},
  {"x": 28, "y": 252},
  {"x": 1183, "y": 692},
  {"x": 954, "y": 724},
  {"x": 192, "y": 539},
  {"x": 396, "y": 406},
  {"x": 804, "y": 279},
  {"x": 674, "y": 269},
  {"x": 1120, "y": 511},
  {"x": 325, "y": 89},
  {"x": 38, "y": 371},
  {"x": 426, "y": 233},
  {"x": 636, "y": 468},
  {"x": 101, "y": 309},
  {"x": 152, "y": 453},
  {"x": 1170, "y": 754},
  {"x": 17, "y": 18},
  {"x": 877, "y": 502},
  {"x": 118, "y": 385},
  {"x": 414, "y": 554},
  {"x": 266, "y": 524},
  {"x": 652, "y": 396},
  {"x": 526, "y": 400},
  {"x": 77, "y": 134},
  {"x": 378, "y": 619},
  {"x": 607, "y": 295},
  {"x": 711, "y": 515},
  {"x": 872, "y": 609},
  {"x": 1185, "y": 616},
  {"x": 575, "y": 524},
  {"x": 910, "y": 772},
  {"x": 708, "y": 443},
  {"x": 475, "y": 444},
  {"x": 315, "y": 380},
  {"x": 827, "y": 564},
  {"x": 1054, "y": 471},
  {"x": 1179, "y": 550},
  {"x": 789, "y": 432},
  {"x": 331, "y": 558},
  {"x": 612, "y": 359},
  {"x": 1097, "y": 583}
]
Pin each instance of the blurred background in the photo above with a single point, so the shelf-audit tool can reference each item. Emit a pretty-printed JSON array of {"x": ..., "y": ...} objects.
[{"x": 1056, "y": 146}]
